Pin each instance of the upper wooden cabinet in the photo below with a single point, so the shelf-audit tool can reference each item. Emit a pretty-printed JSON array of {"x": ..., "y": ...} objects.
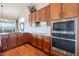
[
  {"x": 30, "y": 19},
  {"x": 37, "y": 16},
  {"x": 47, "y": 12},
  {"x": 42, "y": 13},
  {"x": 55, "y": 11},
  {"x": 69, "y": 10},
  {"x": 33, "y": 16}
]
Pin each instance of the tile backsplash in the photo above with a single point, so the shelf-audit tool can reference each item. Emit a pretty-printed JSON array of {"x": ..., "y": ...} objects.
[{"x": 41, "y": 30}]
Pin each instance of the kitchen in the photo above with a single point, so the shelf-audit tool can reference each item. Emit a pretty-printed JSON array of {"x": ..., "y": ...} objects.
[{"x": 51, "y": 28}]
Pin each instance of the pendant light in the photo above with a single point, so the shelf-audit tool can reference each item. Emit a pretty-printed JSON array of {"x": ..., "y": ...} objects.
[{"x": 1, "y": 12}]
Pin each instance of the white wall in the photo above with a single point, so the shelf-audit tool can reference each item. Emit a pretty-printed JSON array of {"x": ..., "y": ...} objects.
[
  {"x": 25, "y": 18},
  {"x": 41, "y": 5}
]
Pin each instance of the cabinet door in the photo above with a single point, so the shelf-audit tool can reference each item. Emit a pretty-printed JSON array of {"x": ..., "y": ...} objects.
[
  {"x": 20, "y": 39},
  {"x": 48, "y": 14},
  {"x": 69, "y": 10},
  {"x": 55, "y": 11},
  {"x": 47, "y": 44},
  {"x": 42, "y": 13},
  {"x": 34, "y": 40},
  {"x": 40, "y": 41},
  {"x": 25, "y": 38},
  {"x": 12, "y": 40},
  {"x": 37, "y": 16},
  {"x": 33, "y": 16},
  {"x": 4, "y": 42},
  {"x": 28, "y": 38},
  {"x": 30, "y": 20}
]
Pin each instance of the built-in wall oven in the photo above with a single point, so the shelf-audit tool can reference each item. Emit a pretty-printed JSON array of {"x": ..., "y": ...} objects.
[{"x": 64, "y": 35}]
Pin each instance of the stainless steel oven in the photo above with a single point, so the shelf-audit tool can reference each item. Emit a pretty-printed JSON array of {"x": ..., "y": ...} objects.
[{"x": 63, "y": 34}]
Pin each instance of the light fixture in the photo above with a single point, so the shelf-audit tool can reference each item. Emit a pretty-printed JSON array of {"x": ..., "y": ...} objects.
[
  {"x": 6, "y": 19},
  {"x": 1, "y": 19},
  {"x": 1, "y": 11}
]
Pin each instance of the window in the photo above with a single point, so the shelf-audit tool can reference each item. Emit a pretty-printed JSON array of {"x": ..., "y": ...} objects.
[{"x": 7, "y": 27}]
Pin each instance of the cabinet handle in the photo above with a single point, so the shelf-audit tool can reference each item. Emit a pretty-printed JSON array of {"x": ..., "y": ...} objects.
[
  {"x": 63, "y": 14},
  {"x": 59, "y": 15}
]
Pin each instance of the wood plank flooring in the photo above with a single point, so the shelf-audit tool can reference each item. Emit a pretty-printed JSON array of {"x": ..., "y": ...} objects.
[{"x": 24, "y": 50}]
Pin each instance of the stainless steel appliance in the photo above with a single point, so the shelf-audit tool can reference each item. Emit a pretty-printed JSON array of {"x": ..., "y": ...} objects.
[{"x": 64, "y": 36}]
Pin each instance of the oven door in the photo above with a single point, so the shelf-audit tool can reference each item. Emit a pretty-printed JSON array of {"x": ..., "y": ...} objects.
[{"x": 66, "y": 45}]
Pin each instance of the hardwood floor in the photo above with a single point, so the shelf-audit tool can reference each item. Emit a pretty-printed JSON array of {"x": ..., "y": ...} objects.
[{"x": 24, "y": 50}]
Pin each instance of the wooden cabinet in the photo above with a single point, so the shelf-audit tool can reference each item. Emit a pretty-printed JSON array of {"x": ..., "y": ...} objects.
[
  {"x": 33, "y": 17},
  {"x": 47, "y": 11},
  {"x": 47, "y": 44},
  {"x": 28, "y": 38},
  {"x": 12, "y": 40},
  {"x": 40, "y": 41},
  {"x": 65, "y": 10},
  {"x": 48, "y": 14},
  {"x": 20, "y": 41},
  {"x": 4, "y": 42},
  {"x": 25, "y": 38},
  {"x": 55, "y": 11},
  {"x": 42, "y": 13},
  {"x": 16, "y": 39},
  {"x": 30, "y": 20},
  {"x": 37, "y": 16},
  {"x": 69, "y": 10},
  {"x": 34, "y": 40}
]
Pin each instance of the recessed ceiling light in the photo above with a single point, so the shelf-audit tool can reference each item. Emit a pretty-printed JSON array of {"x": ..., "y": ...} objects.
[
  {"x": 1, "y": 19},
  {"x": 6, "y": 19}
]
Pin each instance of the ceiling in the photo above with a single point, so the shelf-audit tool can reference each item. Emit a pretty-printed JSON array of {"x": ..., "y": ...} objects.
[
  {"x": 12, "y": 10},
  {"x": 15, "y": 10}
]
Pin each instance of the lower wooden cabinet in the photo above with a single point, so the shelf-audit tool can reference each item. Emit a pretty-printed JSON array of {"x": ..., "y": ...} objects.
[
  {"x": 12, "y": 40},
  {"x": 22, "y": 38},
  {"x": 47, "y": 44},
  {"x": 4, "y": 42},
  {"x": 28, "y": 38},
  {"x": 25, "y": 38},
  {"x": 40, "y": 41},
  {"x": 34, "y": 40},
  {"x": 19, "y": 41}
]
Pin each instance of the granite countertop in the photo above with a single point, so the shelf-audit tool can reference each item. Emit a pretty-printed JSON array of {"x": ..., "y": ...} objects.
[
  {"x": 8, "y": 33},
  {"x": 43, "y": 34},
  {"x": 38, "y": 33}
]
